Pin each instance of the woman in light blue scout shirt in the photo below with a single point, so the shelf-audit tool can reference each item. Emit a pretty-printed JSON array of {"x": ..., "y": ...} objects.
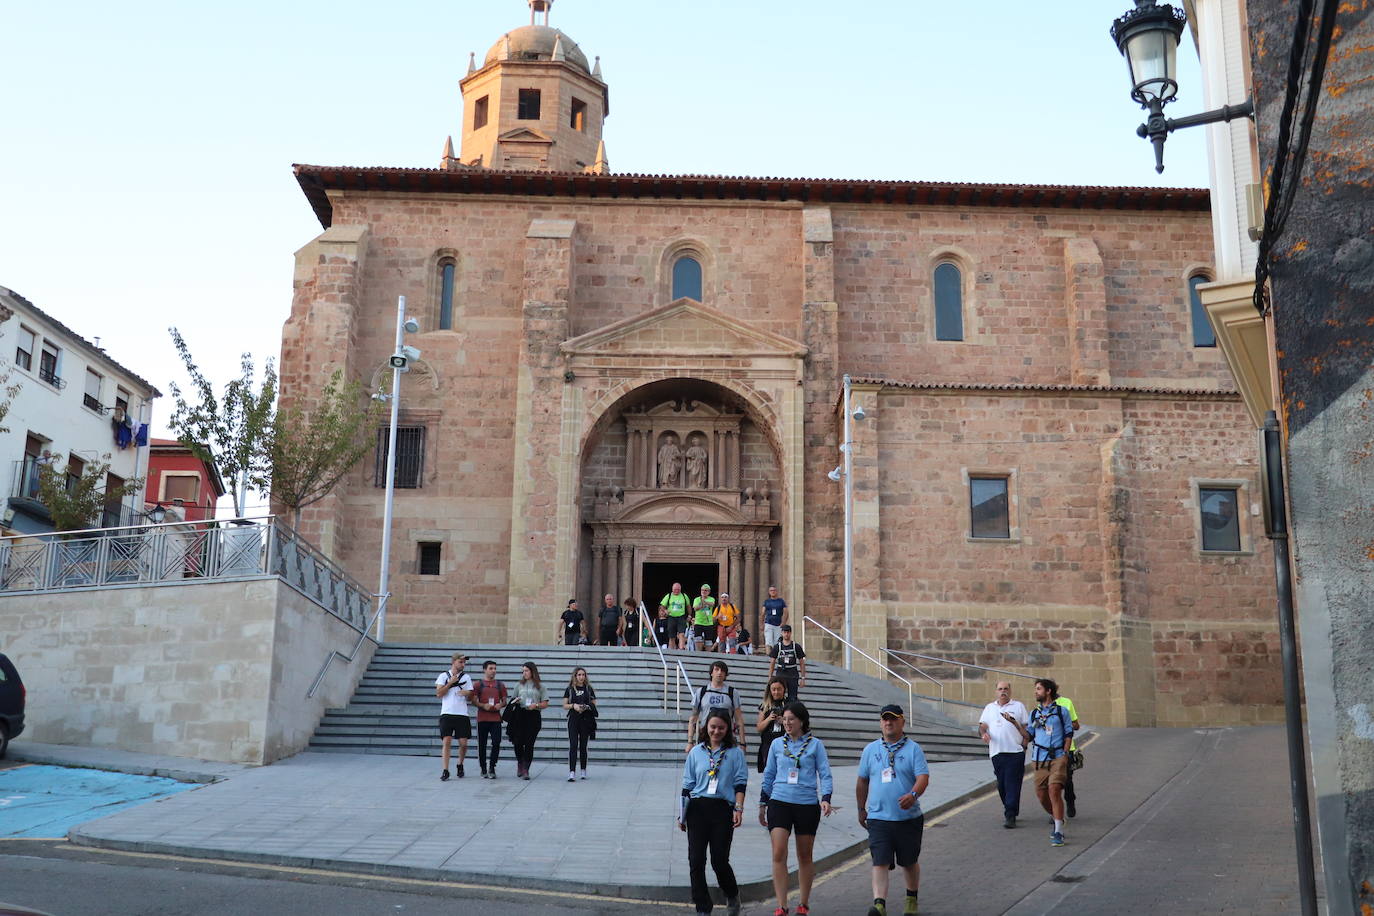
[
  {"x": 713, "y": 783},
  {"x": 893, "y": 775},
  {"x": 796, "y": 792}
]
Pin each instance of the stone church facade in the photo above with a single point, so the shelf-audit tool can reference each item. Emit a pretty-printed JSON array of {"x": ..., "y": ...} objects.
[{"x": 630, "y": 380}]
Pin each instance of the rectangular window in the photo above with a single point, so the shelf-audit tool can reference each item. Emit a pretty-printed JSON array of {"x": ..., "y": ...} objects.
[
  {"x": 47, "y": 365},
  {"x": 410, "y": 457},
  {"x": 75, "y": 468},
  {"x": 949, "y": 302},
  {"x": 27, "y": 484},
  {"x": 528, "y": 107},
  {"x": 94, "y": 382},
  {"x": 989, "y": 507},
  {"x": 113, "y": 515},
  {"x": 23, "y": 353},
  {"x": 181, "y": 489},
  {"x": 431, "y": 553},
  {"x": 1203, "y": 333},
  {"x": 579, "y": 115},
  {"x": 479, "y": 113},
  {"x": 1220, "y": 511},
  {"x": 121, "y": 402}
]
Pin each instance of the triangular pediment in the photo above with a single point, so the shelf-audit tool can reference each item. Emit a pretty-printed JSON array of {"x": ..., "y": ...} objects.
[
  {"x": 685, "y": 327},
  {"x": 524, "y": 135}
]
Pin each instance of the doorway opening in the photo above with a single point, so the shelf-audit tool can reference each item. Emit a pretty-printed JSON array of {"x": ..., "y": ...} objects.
[{"x": 659, "y": 578}]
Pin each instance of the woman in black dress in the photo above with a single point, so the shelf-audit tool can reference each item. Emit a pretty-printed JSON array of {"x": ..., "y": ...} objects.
[
  {"x": 579, "y": 699},
  {"x": 770, "y": 717}
]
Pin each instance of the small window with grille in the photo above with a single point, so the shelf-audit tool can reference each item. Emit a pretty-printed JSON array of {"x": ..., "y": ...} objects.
[
  {"x": 431, "y": 557},
  {"x": 410, "y": 457}
]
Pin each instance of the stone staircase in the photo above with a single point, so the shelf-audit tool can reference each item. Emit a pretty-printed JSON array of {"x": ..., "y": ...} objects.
[{"x": 394, "y": 710}]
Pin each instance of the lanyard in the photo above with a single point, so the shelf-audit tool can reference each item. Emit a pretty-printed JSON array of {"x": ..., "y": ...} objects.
[
  {"x": 713, "y": 761},
  {"x": 892, "y": 752},
  {"x": 787, "y": 749}
]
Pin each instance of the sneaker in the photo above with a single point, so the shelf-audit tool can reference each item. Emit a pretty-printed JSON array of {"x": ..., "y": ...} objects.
[
  {"x": 731, "y": 906},
  {"x": 1010, "y": 822},
  {"x": 484, "y": 772},
  {"x": 492, "y": 774},
  {"x": 443, "y": 775},
  {"x": 1056, "y": 839},
  {"x": 910, "y": 907},
  {"x": 877, "y": 909},
  {"x": 803, "y": 910},
  {"x": 1072, "y": 809},
  {"x": 584, "y": 774},
  {"x": 782, "y": 911},
  {"x": 461, "y": 772},
  {"x": 572, "y": 777}
]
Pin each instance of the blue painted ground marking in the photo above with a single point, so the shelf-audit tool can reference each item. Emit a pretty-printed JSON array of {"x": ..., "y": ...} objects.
[{"x": 45, "y": 802}]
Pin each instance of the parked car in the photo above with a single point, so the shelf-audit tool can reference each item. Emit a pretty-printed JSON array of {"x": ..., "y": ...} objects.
[{"x": 11, "y": 703}]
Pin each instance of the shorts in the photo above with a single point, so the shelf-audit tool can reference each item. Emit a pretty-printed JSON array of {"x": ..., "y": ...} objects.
[
  {"x": 455, "y": 726},
  {"x": 894, "y": 843},
  {"x": 1054, "y": 772},
  {"x": 705, "y": 631},
  {"x": 677, "y": 625},
  {"x": 772, "y": 634},
  {"x": 803, "y": 820}
]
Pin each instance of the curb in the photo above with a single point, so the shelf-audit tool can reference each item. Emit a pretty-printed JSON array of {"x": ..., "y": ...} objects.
[
  {"x": 750, "y": 891},
  {"x": 200, "y": 772}
]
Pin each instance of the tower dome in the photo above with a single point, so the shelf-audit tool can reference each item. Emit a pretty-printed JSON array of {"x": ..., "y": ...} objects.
[{"x": 537, "y": 42}]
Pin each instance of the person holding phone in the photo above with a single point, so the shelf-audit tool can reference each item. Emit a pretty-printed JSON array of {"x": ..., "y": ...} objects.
[
  {"x": 769, "y": 725},
  {"x": 1001, "y": 727}
]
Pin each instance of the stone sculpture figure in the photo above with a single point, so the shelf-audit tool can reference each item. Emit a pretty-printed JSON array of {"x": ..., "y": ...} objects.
[
  {"x": 696, "y": 464},
  {"x": 669, "y": 463}
]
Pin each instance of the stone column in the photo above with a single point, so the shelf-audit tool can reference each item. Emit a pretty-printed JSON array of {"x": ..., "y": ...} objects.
[
  {"x": 623, "y": 581},
  {"x": 631, "y": 447},
  {"x": 598, "y": 558},
  {"x": 736, "y": 461},
  {"x": 736, "y": 575},
  {"x": 713, "y": 468},
  {"x": 651, "y": 458},
  {"x": 751, "y": 586}
]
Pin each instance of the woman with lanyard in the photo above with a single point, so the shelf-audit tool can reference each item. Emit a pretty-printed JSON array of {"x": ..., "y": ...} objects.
[
  {"x": 796, "y": 793},
  {"x": 713, "y": 783},
  {"x": 529, "y": 697},
  {"x": 579, "y": 699},
  {"x": 769, "y": 725}
]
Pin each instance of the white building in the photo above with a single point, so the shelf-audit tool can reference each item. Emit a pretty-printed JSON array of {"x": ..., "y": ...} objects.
[{"x": 75, "y": 406}]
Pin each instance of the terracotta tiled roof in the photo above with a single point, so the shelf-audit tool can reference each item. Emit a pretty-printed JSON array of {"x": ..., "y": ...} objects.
[
  {"x": 1150, "y": 391},
  {"x": 316, "y": 180}
]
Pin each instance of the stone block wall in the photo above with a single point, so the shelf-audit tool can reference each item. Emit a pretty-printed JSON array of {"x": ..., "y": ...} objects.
[{"x": 213, "y": 670}]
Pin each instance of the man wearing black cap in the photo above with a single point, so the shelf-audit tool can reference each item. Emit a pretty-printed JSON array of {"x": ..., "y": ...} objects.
[
  {"x": 788, "y": 661},
  {"x": 893, "y": 774}
]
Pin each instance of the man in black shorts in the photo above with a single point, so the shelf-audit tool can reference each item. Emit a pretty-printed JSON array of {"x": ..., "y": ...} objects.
[
  {"x": 453, "y": 687},
  {"x": 892, "y": 776}
]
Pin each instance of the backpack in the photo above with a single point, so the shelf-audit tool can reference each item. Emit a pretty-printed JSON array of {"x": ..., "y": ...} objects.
[{"x": 1064, "y": 722}]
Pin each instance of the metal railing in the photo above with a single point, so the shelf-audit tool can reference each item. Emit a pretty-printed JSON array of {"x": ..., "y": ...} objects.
[
  {"x": 679, "y": 672},
  {"x": 962, "y": 666},
  {"x": 335, "y": 653},
  {"x": 176, "y": 552},
  {"x": 25, "y": 479},
  {"x": 910, "y": 694},
  {"x": 934, "y": 680}
]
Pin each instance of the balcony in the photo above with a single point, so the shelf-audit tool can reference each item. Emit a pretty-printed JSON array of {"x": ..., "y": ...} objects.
[
  {"x": 25, "y": 479},
  {"x": 52, "y": 378}
]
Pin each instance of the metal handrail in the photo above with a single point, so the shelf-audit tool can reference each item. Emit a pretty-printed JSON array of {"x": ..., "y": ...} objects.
[
  {"x": 335, "y": 653},
  {"x": 910, "y": 694},
  {"x": 934, "y": 680},
  {"x": 962, "y": 666},
  {"x": 662, "y": 660}
]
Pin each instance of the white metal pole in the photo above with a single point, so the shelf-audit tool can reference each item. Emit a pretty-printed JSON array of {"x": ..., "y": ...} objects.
[
  {"x": 848, "y": 531},
  {"x": 384, "y": 582}
]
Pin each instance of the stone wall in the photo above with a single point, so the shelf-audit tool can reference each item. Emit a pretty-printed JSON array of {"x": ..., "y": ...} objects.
[{"x": 215, "y": 670}]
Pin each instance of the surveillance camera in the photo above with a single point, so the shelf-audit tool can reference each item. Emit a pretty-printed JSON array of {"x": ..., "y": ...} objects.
[
  {"x": 859, "y": 412},
  {"x": 412, "y": 326},
  {"x": 410, "y": 353},
  {"x": 836, "y": 474}
]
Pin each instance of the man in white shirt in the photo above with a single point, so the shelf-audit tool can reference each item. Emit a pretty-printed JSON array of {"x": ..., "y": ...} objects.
[
  {"x": 453, "y": 688},
  {"x": 1006, "y": 743}
]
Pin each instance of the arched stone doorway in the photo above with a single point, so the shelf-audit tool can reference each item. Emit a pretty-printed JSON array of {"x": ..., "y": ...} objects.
[{"x": 680, "y": 483}]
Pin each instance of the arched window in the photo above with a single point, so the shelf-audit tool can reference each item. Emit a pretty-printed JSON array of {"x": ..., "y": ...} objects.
[
  {"x": 949, "y": 302},
  {"x": 448, "y": 269},
  {"x": 1203, "y": 333},
  {"x": 687, "y": 278}
]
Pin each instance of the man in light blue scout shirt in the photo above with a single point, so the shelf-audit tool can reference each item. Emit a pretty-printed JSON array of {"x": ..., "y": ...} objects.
[
  {"x": 895, "y": 769},
  {"x": 1050, "y": 735}
]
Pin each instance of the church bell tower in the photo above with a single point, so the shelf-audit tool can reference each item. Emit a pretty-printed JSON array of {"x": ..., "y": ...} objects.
[{"x": 534, "y": 104}]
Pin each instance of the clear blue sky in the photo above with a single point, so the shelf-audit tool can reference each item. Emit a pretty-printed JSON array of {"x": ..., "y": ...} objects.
[{"x": 145, "y": 170}]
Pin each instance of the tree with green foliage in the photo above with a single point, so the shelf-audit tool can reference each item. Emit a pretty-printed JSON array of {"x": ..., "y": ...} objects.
[
  {"x": 9, "y": 394},
  {"x": 234, "y": 430},
  {"x": 77, "y": 502},
  {"x": 312, "y": 448}
]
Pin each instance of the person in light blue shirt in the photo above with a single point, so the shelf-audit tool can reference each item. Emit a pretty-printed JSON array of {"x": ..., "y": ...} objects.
[
  {"x": 1050, "y": 736},
  {"x": 893, "y": 774},
  {"x": 797, "y": 786},
  {"x": 714, "y": 778}
]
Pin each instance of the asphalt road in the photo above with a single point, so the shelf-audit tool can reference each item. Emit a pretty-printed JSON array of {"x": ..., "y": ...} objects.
[{"x": 1170, "y": 820}]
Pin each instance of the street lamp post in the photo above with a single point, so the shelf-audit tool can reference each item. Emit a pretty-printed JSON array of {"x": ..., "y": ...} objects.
[
  {"x": 845, "y": 472},
  {"x": 1148, "y": 37},
  {"x": 400, "y": 358}
]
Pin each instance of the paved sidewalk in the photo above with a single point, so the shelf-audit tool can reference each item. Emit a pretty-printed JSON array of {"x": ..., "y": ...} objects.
[
  {"x": 613, "y": 834},
  {"x": 182, "y": 769}
]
